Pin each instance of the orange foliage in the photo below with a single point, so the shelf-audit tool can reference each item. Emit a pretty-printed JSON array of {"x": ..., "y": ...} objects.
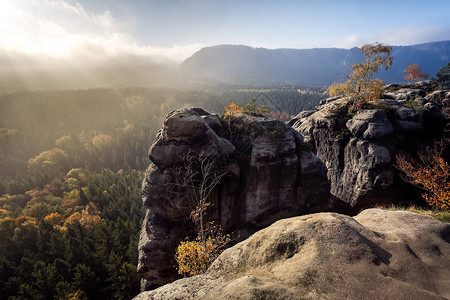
[
  {"x": 89, "y": 216},
  {"x": 233, "y": 109},
  {"x": 430, "y": 172},
  {"x": 413, "y": 73},
  {"x": 90, "y": 220},
  {"x": 70, "y": 203}
]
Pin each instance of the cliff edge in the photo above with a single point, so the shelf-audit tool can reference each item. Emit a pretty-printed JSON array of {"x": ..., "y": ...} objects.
[{"x": 376, "y": 255}]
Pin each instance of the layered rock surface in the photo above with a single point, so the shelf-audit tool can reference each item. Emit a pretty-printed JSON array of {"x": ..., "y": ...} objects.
[
  {"x": 360, "y": 150},
  {"x": 268, "y": 176},
  {"x": 273, "y": 171},
  {"x": 376, "y": 255}
]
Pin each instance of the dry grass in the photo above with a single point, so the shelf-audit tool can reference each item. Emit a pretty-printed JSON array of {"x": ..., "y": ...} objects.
[{"x": 441, "y": 215}]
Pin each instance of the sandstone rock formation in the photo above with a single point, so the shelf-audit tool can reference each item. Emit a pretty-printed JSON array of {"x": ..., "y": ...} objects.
[
  {"x": 440, "y": 97},
  {"x": 273, "y": 171},
  {"x": 375, "y": 255},
  {"x": 269, "y": 175},
  {"x": 359, "y": 150}
]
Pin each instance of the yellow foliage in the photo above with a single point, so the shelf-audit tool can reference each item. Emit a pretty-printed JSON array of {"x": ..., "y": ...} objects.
[
  {"x": 430, "y": 172},
  {"x": 194, "y": 257},
  {"x": 54, "y": 219},
  {"x": 233, "y": 109},
  {"x": 339, "y": 89},
  {"x": 73, "y": 218},
  {"x": 359, "y": 87},
  {"x": 73, "y": 194},
  {"x": 25, "y": 220}
]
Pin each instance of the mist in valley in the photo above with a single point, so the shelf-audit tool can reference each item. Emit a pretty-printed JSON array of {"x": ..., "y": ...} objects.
[{"x": 85, "y": 87}]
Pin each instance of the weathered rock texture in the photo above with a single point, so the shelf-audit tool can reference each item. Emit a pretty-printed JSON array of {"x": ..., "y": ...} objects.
[
  {"x": 375, "y": 255},
  {"x": 269, "y": 176},
  {"x": 360, "y": 150}
]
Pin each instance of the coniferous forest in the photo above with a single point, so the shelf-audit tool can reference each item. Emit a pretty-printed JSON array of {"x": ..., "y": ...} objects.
[{"x": 71, "y": 167}]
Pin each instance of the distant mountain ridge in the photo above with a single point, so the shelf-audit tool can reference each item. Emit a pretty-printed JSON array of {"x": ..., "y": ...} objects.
[{"x": 238, "y": 64}]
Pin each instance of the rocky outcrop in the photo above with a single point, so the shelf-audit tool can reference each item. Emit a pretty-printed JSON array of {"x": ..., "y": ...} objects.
[
  {"x": 360, "y": 150},
  {"x": 268, "y": 176},
  {"x": 440, "y": 97},
  {"x": 328, "y": 160},
  {"x": 375, "y": 255}
]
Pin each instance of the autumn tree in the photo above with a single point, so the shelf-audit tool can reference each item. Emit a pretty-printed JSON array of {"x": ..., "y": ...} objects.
[
  {"x": 51, "y": 163},
  {"x": 233, "y": 109},
  {"x": 414, "y": 74},
  {"x": 431, "y": 173},
  {"x": 198, "y": 178},
  {"x": 251, "y": 109},
  {"x": 360, "y": 88},
  {"x": 90, "y": 216},
  {"x": 54, "y": 219}
]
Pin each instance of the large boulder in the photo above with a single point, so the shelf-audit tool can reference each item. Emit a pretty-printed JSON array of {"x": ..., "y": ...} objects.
[
  {"x": 370, "y": 124},
  {"x": 268, "y": 174},
  {"x": 375, "y": 255}
]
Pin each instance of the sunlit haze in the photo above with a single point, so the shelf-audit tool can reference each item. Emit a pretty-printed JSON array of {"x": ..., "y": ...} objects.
[{"x": 46, "y": 34}]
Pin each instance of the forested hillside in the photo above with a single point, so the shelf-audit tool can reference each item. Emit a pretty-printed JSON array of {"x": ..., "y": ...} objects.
[
  {"x": 263, "y": 67},
  {"x": 71, "y": 166}
]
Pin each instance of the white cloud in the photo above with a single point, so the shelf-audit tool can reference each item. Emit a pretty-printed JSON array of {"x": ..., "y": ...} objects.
[
  {"x": 397, "y": 36},
  {"x": 62, "y": 30}
]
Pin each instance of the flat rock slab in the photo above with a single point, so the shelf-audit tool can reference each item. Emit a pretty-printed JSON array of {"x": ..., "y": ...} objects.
[{"x": 376, "y": 255}]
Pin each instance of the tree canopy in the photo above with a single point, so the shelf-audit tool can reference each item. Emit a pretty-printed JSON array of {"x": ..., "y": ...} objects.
[
  {"x": 443, "y": 77},
  {"x": 360, "y": 87},
  {"x": 414, "y": 74}
]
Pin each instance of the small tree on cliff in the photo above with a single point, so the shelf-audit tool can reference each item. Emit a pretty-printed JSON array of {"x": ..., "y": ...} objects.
[
  {"x": 414, "y": 74},
  {"x": 431, "y": 173},
  {"x": 197, "y": 179},
  {"x": 232, "y": 109},
  {"x": 360, "y": 87}
]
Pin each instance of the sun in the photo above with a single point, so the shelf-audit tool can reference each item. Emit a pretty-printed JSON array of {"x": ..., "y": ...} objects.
[{"x": 27, "y": 27}]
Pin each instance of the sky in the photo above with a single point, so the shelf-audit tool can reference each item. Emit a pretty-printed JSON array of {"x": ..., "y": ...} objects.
[
  {"x": 172, "y": 30},
  {"x": 70, "y": 44}
]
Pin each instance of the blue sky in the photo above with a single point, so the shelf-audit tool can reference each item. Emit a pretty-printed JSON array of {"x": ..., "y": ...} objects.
[
  {"x": 175, "y": 29},
  {"x": 280, "y": 23}
]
